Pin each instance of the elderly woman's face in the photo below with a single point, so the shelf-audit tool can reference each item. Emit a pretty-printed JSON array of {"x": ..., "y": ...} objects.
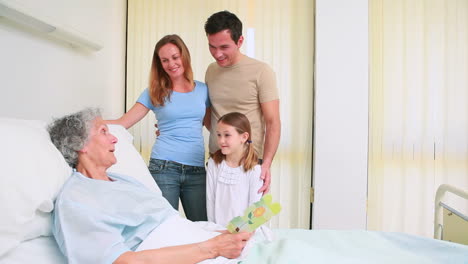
[{"x": 101, "y": 145}]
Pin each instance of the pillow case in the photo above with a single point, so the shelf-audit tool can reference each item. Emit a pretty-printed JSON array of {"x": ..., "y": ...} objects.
[{"x": 33, "y": 171}]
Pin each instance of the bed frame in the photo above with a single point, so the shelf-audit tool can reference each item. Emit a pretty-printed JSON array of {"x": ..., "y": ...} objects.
[{"x": 450, "y": 224}]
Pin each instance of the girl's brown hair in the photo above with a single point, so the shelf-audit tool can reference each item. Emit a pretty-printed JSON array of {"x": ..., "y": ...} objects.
[
  {"x": 160, "y": 84},
  {"x": 241, "y": 124}
]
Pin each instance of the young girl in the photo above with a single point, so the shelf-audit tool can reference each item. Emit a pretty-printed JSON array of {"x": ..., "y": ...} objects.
[{"x": 233, "y": 173}]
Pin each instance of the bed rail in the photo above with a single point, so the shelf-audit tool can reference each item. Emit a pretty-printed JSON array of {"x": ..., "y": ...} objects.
[{"x": 439, "y": 205}]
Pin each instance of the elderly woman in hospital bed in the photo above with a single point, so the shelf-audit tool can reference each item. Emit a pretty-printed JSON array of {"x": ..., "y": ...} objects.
[
  {"x": 98, "y": 223},
  {"x": 103, "y": 217}
]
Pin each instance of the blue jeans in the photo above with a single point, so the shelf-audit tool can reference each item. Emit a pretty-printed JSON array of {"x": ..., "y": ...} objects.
[{"x": 182, "y": 181}]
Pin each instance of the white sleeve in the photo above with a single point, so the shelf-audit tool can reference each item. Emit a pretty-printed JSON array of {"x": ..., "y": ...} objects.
[
  {"x": 255, "y": 183},
  {"x": 211, "y": 176}
]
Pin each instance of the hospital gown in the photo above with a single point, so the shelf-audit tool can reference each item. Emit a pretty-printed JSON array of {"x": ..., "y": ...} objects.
[{"x": 96, "y": 221}]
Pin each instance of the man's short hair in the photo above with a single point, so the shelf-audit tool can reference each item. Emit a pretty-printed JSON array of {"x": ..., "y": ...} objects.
[{"x": 224, "y": 20}]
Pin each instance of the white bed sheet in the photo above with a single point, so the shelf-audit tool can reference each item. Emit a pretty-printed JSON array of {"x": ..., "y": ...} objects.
[
  {"x": 298, "y": 246},
  {"x": 41, "y": 250},
  {"x": 179, "y": 231}
]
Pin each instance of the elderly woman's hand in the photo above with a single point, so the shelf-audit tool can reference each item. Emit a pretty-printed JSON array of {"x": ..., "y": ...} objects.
[{"x": 226, "y": 245}]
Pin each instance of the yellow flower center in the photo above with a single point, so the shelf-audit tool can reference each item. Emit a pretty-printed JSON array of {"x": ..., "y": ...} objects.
[{"x": 259, "y": 211}]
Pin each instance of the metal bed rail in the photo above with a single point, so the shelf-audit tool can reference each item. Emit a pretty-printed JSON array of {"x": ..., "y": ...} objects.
[{"x": 439, "y": 205}]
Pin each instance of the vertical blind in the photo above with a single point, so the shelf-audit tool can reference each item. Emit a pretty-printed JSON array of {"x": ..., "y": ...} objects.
[
  {"x": 279, "y": 33},
  {"x": 418, "y": 110}
]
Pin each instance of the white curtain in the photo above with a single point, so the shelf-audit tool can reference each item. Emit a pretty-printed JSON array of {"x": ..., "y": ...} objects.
[
  {"x": 418, "y": 110},
  {"x": 279, "y": 33}
]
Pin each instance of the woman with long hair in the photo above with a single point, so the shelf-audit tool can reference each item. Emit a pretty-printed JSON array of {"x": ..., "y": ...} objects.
[{"x": 181, "y": 106}]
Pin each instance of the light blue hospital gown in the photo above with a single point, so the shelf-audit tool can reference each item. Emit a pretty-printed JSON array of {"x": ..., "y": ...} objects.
[{"x": 96, "y": 221}]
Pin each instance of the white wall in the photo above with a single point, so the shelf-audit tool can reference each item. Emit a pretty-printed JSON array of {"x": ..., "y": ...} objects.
[
  {"x": 341, "y": 114},
  {"x": 41, "y": 77}
]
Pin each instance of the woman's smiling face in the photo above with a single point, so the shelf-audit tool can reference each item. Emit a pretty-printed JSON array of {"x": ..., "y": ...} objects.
[{"x": 171, "y": 60}]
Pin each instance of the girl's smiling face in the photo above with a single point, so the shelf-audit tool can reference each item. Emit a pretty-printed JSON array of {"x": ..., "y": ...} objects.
[{"x": 230, "y": 141}]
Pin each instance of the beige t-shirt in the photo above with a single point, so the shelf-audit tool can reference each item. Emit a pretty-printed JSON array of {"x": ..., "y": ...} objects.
[{"x": 241, "y": 88}]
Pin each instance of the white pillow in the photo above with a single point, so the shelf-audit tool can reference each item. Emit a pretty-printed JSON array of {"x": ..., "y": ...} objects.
[
  {"x": 32, "y": 173},
  {"x": 129, "y": 161}
]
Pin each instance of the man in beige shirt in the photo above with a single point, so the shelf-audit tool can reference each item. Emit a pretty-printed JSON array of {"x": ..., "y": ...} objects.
[{"x": 237, "y": 83}]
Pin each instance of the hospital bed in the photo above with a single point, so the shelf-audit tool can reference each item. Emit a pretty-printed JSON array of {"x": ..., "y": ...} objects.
[
  {"x": 449, "y": 223},
  {"x": 33, "y": 172}
]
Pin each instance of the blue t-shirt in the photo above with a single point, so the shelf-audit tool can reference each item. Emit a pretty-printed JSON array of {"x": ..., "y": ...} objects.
[
  {"x": 96, "y": 221},
  {"x": 180, "y": 122}
]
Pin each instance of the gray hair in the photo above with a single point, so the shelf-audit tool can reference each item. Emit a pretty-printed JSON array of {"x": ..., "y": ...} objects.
[{"x": 70, "y": 133}]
